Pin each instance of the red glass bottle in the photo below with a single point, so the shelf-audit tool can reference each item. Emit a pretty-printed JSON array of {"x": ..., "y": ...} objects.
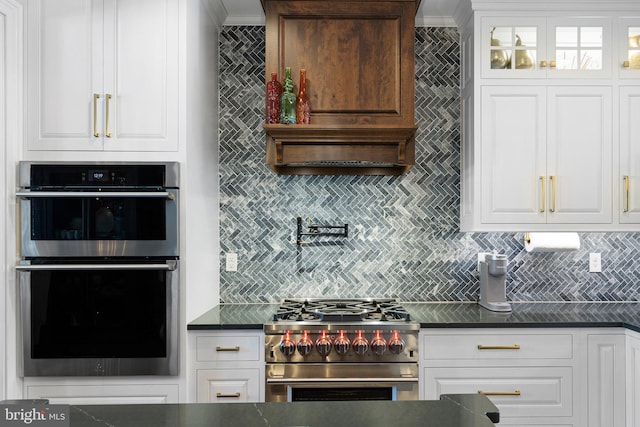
[
  {"x": 274, "y": 90},
  {"x": 303, "y": 106}
]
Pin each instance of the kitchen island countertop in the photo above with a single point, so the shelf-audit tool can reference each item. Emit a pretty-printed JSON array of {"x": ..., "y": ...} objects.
[
  {"x": 450, "y": 411},
  {"x": 454, "y": 315}
]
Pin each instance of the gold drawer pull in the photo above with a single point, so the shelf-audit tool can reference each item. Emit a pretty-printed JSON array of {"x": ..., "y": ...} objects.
[
  {"x": 499, "y": 347},
  {"x": 543, "y": 194},
  {"x": 553, "y": 194},
  {"x": 223, "y": 395},
  {"x": 500, "y": 393},
  {"x": 107, "y": 132},
  {"x": 626, "y": 64},
  {"x": 96, "y": 96},
  {"x": 626, "y": 193},
  {"x": 236, "y": 348}
]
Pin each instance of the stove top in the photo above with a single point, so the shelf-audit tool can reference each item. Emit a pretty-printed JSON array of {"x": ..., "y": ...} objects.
[
  {"x": 341, "y": 330},
  {"x": 356, "y": 313}
]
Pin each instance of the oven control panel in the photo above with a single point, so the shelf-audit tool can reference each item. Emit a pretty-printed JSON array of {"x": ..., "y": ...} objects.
[{"x": 358, "y": 346}]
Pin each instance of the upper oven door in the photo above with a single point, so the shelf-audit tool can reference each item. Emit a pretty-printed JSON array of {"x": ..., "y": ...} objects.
[{"x": 99, "y": 223}]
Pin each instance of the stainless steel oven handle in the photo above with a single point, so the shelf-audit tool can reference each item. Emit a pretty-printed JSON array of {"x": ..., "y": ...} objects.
[
  {"x": 84, "y": 194},
  {"x": 48, "y": 267},
  {"x": 341, "y": 380}
]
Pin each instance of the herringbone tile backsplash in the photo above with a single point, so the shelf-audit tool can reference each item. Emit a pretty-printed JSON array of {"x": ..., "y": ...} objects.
[{"x": 403, "y": 231}]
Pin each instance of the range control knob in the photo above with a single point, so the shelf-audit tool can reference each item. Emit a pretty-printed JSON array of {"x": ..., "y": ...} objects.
[
  {"x": 323, "y": 344},
  {"x": 287, "y": 345},
  {"x": 342, "y": 344},
  {"x": 396, "y": 343},
  {"x": 305, "y": 345},
  {"x": 378, "y": 344},
  {"x": 360, "y": 344}
]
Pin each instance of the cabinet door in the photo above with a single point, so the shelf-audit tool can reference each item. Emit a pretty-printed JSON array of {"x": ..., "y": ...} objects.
[
  {"x": 513, "y": 154},
  {"x": 64, "y": 55},
  {"x": 579, "y": 48},
  {"x": 579, "y": 152},
  {"x": 628, "y": 43},
  {"x": 606, "y": 379},
  {"x": 103, "y": 75},
  {"x": 629, "y": 182},
  {"x": 141, "y": 75},
  {"x": 513, "y": 47}
]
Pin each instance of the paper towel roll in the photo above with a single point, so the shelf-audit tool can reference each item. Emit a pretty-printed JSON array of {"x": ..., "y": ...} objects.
[{"x": 551, "y": 242}]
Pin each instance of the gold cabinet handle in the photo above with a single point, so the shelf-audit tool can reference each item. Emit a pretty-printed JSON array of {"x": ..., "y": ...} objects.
[
  {"x": 543, "y": 195},
  {"x": 553, "y": 194},
  {"x": 626, "y": 193},
  {"x": 107, "y": 133},
  {"x": 626, "y": 64},
  {"x": 543, "y": 64},
  {"x": 500, "y": 393},
  {"x": 236, "y": 348},
  {"x": 96, "y": 96},
  {"x": 223, "y": 395},
  {"x": 552, "y": 64},
  {"x": 499, "y": 347}
]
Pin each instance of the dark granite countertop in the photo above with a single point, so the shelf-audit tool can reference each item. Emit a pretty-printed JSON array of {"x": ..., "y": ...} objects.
[
  {"x": 450, "y": 411},
  {"x": 454, "y": 315}
]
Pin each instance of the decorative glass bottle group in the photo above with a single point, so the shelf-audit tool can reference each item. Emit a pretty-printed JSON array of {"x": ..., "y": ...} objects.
[{"x": 283, "y": 106}]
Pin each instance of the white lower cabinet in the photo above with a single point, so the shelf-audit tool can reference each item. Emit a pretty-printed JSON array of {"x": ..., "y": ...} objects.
[
  {"x": 633, "y": 379},
  {"x": 528, "y": 373},
  {"x": 606, "y": 379},
  {"x": 551, "y": 377},
  {"x": 101, "y": 392},
  {"x": 226, "y": 366}
]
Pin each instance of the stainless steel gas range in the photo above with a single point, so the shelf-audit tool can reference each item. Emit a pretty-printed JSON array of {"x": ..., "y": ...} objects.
[{"x": 328, "y": 349}]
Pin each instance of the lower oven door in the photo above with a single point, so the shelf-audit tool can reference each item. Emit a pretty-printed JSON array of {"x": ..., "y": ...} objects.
[
  {"x": 339, "y": 382},
  {"x": 99, "y": 319}
]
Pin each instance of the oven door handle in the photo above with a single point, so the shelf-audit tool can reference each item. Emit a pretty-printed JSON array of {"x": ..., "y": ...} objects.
[
  {"x": 341, "y": 380},
  {"x": 169, "y": 266},
  {"x": 98, "y": 194}
]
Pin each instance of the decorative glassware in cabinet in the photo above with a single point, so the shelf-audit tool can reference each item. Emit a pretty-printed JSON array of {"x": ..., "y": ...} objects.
[
  {"x": 288, "y": 100},
  {"x": 579, "y": 48},
  {"x": 303, "y": 106},
  {"x": 274, "y": 90},
  {"x": 633, "y": 57},
  {"x": 513, "y": 48}
]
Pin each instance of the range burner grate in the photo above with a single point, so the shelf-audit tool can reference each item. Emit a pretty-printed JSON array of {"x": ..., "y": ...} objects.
[{"x": 332, "y": 310}]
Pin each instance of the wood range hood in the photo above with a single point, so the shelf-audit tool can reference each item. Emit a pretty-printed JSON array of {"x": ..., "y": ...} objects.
[{"x": 360, "y": 66}]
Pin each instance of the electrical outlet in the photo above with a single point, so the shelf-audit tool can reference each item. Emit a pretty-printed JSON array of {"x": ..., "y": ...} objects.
[
  {"x": 231, "y": 261},
  {"x": 595, "y": 263}
]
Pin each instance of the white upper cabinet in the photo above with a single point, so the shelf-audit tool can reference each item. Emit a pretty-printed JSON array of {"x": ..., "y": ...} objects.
[
  {"x": 564, "y": 47},
  {"x": 629, "y": 45},
  {"x": 550, "y": 107},
  {"x": 629, "y": 180},
  {"x": 546, "y": 154},
  {"x": 102, "y": 75}
]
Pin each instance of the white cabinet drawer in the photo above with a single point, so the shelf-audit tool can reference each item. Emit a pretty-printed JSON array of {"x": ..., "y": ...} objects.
[
  {"x": 228, "y": 348},
  {"x": 517, "y": 391},
  {"x": 497, "y": 346},
  {"x": 228, "y": 385}
]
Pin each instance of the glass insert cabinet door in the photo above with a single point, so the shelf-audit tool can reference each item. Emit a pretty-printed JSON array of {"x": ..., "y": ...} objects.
[
  {"x": 546, "y": 48},
  {"x": 629, "y": 42}
]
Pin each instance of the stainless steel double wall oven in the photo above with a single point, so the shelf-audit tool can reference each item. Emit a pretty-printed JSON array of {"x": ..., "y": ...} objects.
[{"x": 98, "y": 274}]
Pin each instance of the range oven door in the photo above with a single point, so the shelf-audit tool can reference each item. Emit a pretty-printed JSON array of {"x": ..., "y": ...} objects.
[
  {"x": 99, "y": 319},
  {"x": 99, "y": 223},
  {"x": 340, "y": 382}
]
